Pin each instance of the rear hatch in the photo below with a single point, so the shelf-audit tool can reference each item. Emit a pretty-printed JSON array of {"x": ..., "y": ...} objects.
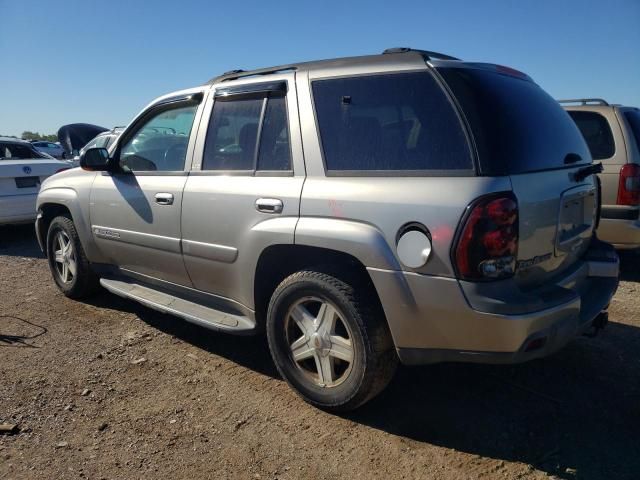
[{"x": 521, "y": 132}]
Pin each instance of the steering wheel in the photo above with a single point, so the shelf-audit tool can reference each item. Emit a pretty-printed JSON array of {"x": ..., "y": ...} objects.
[{"x": 137, "y": 163}]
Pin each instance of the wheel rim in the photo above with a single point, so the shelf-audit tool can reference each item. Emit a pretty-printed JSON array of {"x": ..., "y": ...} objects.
[
  {"x": 320, "y": 341},
  {"x": 64, "y": 257}
]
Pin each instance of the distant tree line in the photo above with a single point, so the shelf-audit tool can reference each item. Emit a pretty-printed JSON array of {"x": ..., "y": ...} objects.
[{"x": 36, "y": 136}]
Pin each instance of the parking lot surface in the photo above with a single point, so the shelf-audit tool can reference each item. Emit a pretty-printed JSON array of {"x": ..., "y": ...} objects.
[{"x": 109, "y": 389}]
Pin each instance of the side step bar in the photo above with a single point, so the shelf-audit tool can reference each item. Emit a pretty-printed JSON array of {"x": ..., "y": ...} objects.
[{"x": 192, "y": 312}]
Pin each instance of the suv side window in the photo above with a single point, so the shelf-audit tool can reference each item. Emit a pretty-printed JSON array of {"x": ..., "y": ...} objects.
[
  {"x": 275, "y": 152},
  {"x": 390, "y": 122},
  {"x": 248, "y": 134},
  {"x": 633, "y": 119},
  {"x": 102, "y": 141},
  {"x": 160, "y": 144},
  {"x": 597, "y": 133}
]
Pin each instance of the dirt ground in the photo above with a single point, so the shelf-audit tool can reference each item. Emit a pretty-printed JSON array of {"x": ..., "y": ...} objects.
[{"x": 110, "y": 389}]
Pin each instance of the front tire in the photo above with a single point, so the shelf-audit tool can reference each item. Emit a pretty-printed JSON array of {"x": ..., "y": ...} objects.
[
  {"x": 329, "y": 339},
  {"x": 67, "y": 261}
]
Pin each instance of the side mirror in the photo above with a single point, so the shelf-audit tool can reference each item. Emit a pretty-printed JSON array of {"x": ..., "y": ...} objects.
[{"x": 95, "y": 160}]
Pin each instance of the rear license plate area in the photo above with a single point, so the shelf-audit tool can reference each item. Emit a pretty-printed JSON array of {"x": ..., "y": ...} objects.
[
  {"x": 576, "y": 219},
  {"x": 27, "y": 182}
]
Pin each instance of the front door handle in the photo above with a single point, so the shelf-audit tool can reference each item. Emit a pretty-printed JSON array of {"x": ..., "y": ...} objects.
[
  {"x": 269, "y": 205},
  {"x": 164, "y": 198}
]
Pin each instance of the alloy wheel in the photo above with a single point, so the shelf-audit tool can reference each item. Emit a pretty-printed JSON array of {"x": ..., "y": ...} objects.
[
  {"x": 320, "y": 341},
  {"x": 64, "y": 256}
]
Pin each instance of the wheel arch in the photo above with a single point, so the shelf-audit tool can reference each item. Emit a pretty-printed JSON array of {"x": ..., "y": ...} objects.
[
  {"x": 64, "y": 201},
  {"x": 277, "y": 262},
  {"x": 46, "y": 213}
]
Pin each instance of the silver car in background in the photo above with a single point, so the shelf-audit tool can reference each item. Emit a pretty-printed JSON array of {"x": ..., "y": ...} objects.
[
  {"x": 50, "y": 148},
  {"x": 362, "y": 211},
  {"x": 102, "y": 140}
]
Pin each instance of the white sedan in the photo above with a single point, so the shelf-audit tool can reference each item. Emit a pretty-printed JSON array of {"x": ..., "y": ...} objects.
[{"x": 22, "y": 170}]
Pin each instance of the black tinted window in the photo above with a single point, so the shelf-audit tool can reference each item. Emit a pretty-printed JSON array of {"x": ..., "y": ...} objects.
[
  {"x": 633, "y": 119},
  {"x": 389, "y": 122},
  {"x": 234, "y": 130},
  {"x": 17, "y": 151},
  {"x": 596, "y": 132},
  {"x": 232, "y": 134},
  {"x": 517, "y": 126},
  {"x": 275, "y": 153}
]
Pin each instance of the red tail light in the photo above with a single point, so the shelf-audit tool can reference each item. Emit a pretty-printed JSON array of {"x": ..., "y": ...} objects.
[
  {"x": 629, "y": 185},
  {"x": 487, "y": 246}
]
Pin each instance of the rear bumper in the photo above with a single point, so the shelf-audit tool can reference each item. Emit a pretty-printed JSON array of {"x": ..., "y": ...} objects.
[
  {"x": 620, "y": 226},
  {"x": 435, "y": 319},
  {"x": 17, "y": 209}
]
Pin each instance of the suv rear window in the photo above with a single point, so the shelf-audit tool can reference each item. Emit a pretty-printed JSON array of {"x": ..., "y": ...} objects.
[
  {"x": 517, "y": 126},
  {"x": 633, "y": 119},
  {"x": 597, "y": 133},
  {"x": 392, "y": 122}
]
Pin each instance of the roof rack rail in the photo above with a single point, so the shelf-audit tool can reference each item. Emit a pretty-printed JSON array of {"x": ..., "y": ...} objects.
[
  {"x": 233, "y": 74},
  {"x": 426, "y": 53},
  {"x": 586, "y": 101}
]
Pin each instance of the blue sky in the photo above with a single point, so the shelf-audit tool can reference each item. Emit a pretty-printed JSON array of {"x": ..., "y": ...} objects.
[{"x": 68, "y": 61}]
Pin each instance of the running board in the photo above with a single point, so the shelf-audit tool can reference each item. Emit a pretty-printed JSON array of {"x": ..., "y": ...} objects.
[{"x": 192, "y": 312}]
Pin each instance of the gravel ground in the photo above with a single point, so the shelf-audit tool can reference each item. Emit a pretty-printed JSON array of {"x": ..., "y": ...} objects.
[{"x": 110, "y": 389}]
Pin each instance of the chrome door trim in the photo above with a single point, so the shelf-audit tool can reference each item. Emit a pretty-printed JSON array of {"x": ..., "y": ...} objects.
[
  {"x": 210, "y": 251},
  {"x": 157, "y": 242}
]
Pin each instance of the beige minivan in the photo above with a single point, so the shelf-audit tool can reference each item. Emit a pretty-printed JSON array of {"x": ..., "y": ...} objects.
[{"x": 612, "y": 133}]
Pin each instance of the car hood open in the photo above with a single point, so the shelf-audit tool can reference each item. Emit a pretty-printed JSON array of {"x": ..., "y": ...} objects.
[{"x": 76, "y": 135}]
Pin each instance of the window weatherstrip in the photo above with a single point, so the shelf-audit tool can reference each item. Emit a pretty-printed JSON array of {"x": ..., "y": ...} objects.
[{"x": 256, "y": 151}]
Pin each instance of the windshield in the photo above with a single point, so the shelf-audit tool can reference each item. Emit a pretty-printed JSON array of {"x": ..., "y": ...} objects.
[
  {"x": 18, "y": 151},
  {"x": 517, "y": 126}
]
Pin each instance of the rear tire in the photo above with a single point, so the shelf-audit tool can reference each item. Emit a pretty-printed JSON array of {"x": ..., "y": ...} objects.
[
  {"x": 335, "y": 329},
  {"x": 67, "y": 261}
]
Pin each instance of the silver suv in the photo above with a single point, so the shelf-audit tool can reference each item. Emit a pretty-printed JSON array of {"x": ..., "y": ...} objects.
[
  {"x": 405, "y": 206},
  {"x": 612, "y": 133}
]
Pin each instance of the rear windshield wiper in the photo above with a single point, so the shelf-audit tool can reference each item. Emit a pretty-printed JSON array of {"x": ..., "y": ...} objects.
[{"x": 586, "y": 171}]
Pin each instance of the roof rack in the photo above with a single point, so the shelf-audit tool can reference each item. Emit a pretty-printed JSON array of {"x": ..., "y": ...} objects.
[
  {"x": 426, "y": 53},
  {"x": 586, "y": 101},
  {"x": 233, "y": 74}
]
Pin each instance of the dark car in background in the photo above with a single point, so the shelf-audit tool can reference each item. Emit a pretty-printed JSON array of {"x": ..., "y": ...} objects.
[{"x": 50, "y": 148}]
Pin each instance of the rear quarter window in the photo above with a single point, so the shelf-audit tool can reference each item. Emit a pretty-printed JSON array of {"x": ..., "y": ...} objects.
[
  {"x": 400, "y": 122},
  {"x": 633, "y": 119},
  {"x": 597, "y": 133},
  {"x": 18, "y": 151},
  {"x": 516, "y": 125}
]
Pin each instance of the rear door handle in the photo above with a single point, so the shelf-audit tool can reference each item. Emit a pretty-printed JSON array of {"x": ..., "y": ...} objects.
[
  {"x": 164, "y": 198},
  {"x": 269, "y": 205}
]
